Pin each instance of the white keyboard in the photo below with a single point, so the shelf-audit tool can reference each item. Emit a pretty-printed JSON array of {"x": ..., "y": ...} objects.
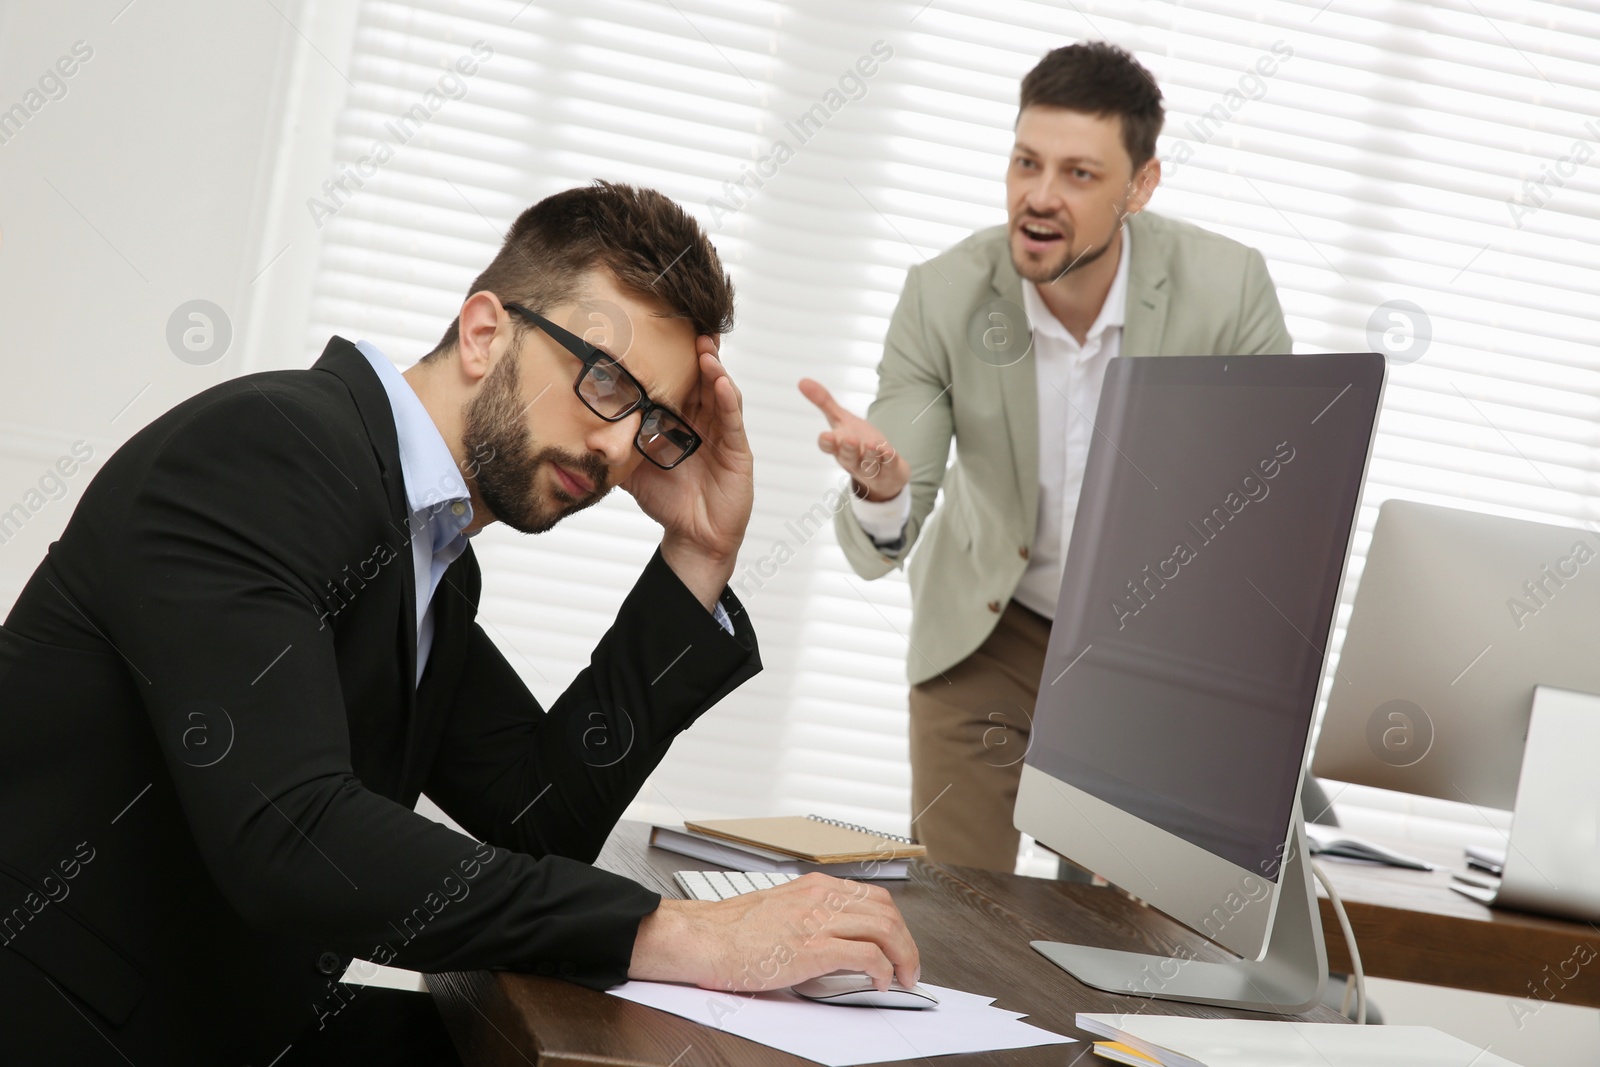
[{"x": 720, "y": 885}]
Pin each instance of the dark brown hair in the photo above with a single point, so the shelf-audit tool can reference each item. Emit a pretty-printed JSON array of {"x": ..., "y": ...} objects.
[
  {"x": 1099, "y": 78},
  {"x": 652, "y": 246}
]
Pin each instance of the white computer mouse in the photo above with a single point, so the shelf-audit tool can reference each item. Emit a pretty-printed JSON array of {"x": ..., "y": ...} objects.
[{"x": 856, "y": 990}]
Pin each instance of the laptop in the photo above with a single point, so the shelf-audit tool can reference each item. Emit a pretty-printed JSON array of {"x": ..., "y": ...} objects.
[{"x": 1552, "y": 860}]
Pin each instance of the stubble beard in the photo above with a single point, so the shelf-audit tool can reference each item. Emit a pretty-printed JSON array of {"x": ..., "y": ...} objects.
[
  {"x": 508, "y": 479},
  {"x": 1044, "y": 271}
]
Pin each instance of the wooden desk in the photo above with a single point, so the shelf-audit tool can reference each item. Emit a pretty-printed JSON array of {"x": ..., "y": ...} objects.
[
  {"x": 972, "y": 927},
  {"x": 1412, "y": 926}
]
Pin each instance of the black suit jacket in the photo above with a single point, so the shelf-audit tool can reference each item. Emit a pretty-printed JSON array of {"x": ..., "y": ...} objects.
[{"x": 210, "y": 744}]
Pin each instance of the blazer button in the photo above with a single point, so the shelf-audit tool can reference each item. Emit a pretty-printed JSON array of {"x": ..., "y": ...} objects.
[
  {"x": 994, "y": 606},
  {"x": 1023, "y": 551},
  {"x": 329, "y": 963}
]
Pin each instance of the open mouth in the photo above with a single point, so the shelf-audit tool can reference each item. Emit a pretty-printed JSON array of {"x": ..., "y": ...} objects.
[{"x": 1039, "y": 232}]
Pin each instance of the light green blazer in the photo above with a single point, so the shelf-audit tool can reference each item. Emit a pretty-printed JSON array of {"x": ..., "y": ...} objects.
[{"x": 948, "y": 373}]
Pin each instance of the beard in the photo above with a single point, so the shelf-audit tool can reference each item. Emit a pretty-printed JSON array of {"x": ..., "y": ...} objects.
[
  {"x": 508, "y": 460},
  {"x": 1042, "y": 270}
]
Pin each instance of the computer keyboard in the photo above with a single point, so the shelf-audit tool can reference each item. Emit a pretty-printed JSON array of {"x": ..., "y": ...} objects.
[{"x": 720, "y": 885}]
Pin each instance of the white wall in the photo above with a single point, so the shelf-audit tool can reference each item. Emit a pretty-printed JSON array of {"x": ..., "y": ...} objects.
[{"x": 143, "y": 185}]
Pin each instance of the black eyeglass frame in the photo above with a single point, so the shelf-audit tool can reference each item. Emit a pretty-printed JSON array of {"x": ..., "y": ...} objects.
[{"x": 589, "y": 356}]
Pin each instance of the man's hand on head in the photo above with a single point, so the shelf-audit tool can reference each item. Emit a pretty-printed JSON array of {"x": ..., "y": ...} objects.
[
  {"x": 703, "y": 503},
  {"x": 812, "y": 926}
]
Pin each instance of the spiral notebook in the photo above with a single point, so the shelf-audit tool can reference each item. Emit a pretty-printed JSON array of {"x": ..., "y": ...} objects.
[{"x": 812, "y": 838}]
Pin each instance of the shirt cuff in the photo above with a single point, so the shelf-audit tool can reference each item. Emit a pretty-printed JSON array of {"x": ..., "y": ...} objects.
[
  {"x": 720, "y": 613},
  {"x": 883, "y": 520}
]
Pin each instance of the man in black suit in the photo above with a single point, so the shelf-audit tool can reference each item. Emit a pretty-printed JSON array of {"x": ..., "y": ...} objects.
[{"x": 254, "y": 646}]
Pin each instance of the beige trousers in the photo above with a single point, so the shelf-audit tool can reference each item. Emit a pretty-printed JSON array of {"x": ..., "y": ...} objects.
[{"x": 969, "y": 731}]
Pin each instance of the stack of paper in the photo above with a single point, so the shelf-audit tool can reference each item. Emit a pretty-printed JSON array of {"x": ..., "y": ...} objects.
[
  {"x": 1179, "y": 1041},
  {"x": 838, "y": 1036}
]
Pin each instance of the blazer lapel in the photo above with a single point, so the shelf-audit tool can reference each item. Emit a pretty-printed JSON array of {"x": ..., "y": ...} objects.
[
  {"x": 345, "y": 360},
  {"x": 1148, "y": 291},
  {"x": 454, "y": 608},
  {"x": 1019, "y": 397}
]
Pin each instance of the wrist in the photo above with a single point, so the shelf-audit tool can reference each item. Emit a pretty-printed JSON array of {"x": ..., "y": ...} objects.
[
  {"x": 687, "y": 549},
  {"x": 874, "y": 496},
  {"x": 704, "y": 572},
  {"x": 664, "y": 949},
  {"x": 889, "y": 481}
]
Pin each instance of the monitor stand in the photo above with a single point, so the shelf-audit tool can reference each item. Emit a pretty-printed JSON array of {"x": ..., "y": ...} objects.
[{"x": 1288, "y": 979}]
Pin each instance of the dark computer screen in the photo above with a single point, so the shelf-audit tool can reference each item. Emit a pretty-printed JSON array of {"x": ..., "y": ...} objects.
[{"x": 1199, "y": 587}]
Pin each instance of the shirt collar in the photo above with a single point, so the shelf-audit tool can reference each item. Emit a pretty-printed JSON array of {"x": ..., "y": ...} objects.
[
  {"x": 429, "y": 471},
  {"x": 1114, "y": 312}
]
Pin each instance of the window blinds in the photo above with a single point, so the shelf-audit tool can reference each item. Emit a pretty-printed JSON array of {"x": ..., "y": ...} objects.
[{"x": 1418, "y": 175}]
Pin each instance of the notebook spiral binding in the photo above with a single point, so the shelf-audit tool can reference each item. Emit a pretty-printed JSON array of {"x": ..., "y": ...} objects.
[{"x": 862, "y": 829}]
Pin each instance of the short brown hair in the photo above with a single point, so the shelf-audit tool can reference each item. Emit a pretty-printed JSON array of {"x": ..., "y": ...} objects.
[
  {"x": 1099, "y": 78},
  {"x": 652, "y": 246}
]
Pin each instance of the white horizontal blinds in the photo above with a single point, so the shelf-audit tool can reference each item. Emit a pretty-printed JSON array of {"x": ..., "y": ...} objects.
[
  {"x": 1380, "y": 155},
  {"x": 821, "y": 272},
  {"x": 1373, "y": 163},
  {"x": 568, "y": 92},
  {"x": 1377, "y": 152}
]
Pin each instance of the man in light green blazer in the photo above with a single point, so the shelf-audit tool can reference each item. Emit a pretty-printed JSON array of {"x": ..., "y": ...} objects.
[{"x": 1000, "y": 345}]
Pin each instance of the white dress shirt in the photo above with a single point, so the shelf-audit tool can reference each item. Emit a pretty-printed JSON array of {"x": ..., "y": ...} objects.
[{"x": 1070, "y": 376}]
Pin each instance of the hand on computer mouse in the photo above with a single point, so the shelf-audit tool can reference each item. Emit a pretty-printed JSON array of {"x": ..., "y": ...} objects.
[{"x": 812, "y": 926}]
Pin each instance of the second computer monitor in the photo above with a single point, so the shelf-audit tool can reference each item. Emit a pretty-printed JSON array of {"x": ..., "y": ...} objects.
[{"x": 1458, "y": 615}]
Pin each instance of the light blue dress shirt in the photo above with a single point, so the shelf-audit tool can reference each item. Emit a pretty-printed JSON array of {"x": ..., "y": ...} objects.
[{"x": 440, "y": 506}]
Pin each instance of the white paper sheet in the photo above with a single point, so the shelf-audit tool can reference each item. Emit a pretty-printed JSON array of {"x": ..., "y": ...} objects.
[{"x": 839, "y": 1036}]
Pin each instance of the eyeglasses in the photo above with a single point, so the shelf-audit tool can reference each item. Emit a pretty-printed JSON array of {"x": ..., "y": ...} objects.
[{"x": 607, "y": 389}]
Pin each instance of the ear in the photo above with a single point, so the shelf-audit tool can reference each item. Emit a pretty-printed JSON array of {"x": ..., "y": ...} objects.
[
  {"x": 483, "y": 333},
  {"x": 1143, "y": 185}
]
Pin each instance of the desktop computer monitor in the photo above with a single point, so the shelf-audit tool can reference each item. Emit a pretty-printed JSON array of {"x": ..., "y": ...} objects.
[
  {"x": 1458, "y": 616},
  {"x": 1197, "y": 598}
]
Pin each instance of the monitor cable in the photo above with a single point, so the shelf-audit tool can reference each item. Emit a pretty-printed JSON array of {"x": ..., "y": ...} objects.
[{"x": 1355, "y": 978}]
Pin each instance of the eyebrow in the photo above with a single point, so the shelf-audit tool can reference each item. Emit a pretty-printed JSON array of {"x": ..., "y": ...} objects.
[
  {"x": 651, "y": 389},
  {"x": 1020, "y": 147}
]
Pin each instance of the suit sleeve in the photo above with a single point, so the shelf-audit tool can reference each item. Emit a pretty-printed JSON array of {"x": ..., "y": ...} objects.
[
  {"x": 210, "y": 586},
  {"x": 1261, "y": 327},
  {"x": 913, "y": 409},
  {"x": 556, "y": 783}
]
